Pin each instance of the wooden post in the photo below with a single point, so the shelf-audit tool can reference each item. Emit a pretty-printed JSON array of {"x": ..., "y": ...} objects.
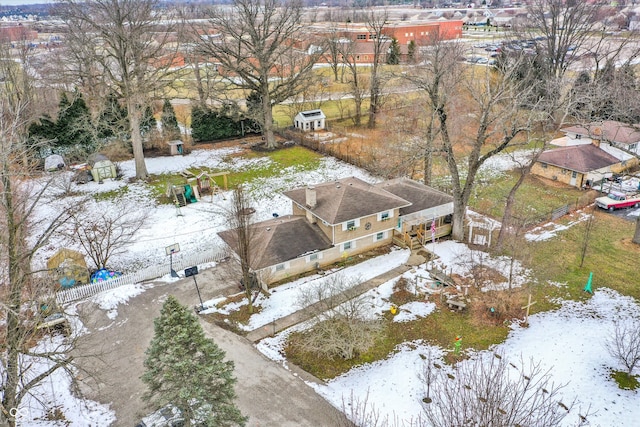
[{"x": 528, "y": 306}]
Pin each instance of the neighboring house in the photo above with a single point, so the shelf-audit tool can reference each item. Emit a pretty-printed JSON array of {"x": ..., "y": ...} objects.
[
  {"x": 310, "y": 120},
  {"x": 623, "y": 138},
  {"x": 577, "y": 165},
  {"x": 336, "y": 220}
]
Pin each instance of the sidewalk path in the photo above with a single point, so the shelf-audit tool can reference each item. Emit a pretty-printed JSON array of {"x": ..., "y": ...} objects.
[{"x": 307, "y": 313}]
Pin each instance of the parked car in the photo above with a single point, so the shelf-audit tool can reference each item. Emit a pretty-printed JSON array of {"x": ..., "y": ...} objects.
[
  {"x": 167, "y": 416},
  {"x": 615, "y": 200}
]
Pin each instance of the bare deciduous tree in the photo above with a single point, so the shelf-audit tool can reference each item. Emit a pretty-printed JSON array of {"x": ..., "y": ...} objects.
[
  {"x": 494, "y": 392},
  {"x": 343, "y": 327},
  {"x": 128, "y": 49},
  {"x": 488, "y": 101},
  {"x": 565, "y": 27},
  {"x": 22, "y": 234},
  {"x": 437, "y": 75},
  {"x": 358, "y": 83},
  {"x": 376, "y": 23},
  {"x": 103, "y": 234},
  {"x": 242, "y": 226},
  {"x": 624, "y": 344},
  {"x": 254, "y": 44}
]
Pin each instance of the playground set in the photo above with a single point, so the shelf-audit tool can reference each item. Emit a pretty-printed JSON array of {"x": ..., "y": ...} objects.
[{"x": 195, "y": 186}]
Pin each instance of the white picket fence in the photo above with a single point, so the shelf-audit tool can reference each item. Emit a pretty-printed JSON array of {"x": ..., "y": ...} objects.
[{"x": 151, "y": 272}]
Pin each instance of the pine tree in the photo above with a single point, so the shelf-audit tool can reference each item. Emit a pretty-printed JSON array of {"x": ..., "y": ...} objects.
[
  {"x": 74, "y": 125},
  {"x": 170, "y": 127},
  {"x": 113, "y": 121},
  {"x": 186, "y": 369},
  {"x": 147, "y": 121},
  {"x": 393, "y": 57}
]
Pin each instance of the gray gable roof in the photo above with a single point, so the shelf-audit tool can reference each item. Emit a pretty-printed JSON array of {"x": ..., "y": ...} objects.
[
  {"x": 280, "y": 239},
  {"x": 608, "y": 130},
  {"x": 347, "y": 199},
  {"x": 421, "y": 196},
  {"x": 579, "y": 158}
]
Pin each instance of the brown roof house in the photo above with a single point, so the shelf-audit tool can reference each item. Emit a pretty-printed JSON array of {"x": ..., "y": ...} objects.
[
  {"x": 618, "y": 139},
  {"x": 335, "y": 220},
  {"x": 577, "y": 165}
]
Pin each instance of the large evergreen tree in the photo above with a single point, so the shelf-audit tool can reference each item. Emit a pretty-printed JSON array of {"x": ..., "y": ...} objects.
[
  {"x": 170, "y": 127},
  {"x": 74, "y": 125},
  {"x": 186, "y": 369}
]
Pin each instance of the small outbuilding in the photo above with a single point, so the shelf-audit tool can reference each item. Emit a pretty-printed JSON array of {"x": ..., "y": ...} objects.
[
  {"x": 101, "y": 167},
  {"x": 310, "y": 120},
  {"x": 53, "y": 163},
  {"x": 68, "y": 268}
]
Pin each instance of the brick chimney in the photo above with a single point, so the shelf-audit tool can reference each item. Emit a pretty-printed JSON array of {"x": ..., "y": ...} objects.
[{"x": 310, "y": 197}]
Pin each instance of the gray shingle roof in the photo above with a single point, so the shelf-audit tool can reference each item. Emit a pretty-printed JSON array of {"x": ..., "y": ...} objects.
[
  {"x": 420, "y": 196},
  {"x": 608, "y": 130},
  {"x": 280, "y": 239},
  {"x": 579, "y": 158},
  {"x": 347, "y": 199}
]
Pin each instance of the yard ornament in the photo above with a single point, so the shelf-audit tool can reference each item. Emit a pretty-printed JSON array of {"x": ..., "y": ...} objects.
[
  {"x": 587, "y": 287},
  {"x": 457, "y": 344}
]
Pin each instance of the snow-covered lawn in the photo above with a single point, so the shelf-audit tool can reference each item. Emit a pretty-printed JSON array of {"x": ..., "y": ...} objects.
[
  {"x": 284, "y": 299},
  {"x": 569, "y": 342}
]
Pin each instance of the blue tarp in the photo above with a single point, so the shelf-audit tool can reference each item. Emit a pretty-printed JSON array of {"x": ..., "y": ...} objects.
[{"x": 103, "y": 274}]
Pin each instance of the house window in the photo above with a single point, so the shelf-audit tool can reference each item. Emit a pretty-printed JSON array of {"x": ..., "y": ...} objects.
[
  {"x": 347, "y": 245},
  {"x": 314, "y": 257},
  {"x": 357, "y": 57},
  {"x": 379, "y": 236},
  {"x": 578, "y": 136},
  {"x": 362, "y": 36},
  {"x": 319, "y": 123},
  {"x": 633, "y": 147},
  {"x": 384, "y": 216},
  {"x": 544, "y": 165},
  {"x": 373, "y": 36},
  {"x": 280, "y": 267},
  {"x": 574, "y": 174},
  {"x": 564, "y": 171},
  {"x": 306, "y": 125},
  {"x": 351, "y": 225}
]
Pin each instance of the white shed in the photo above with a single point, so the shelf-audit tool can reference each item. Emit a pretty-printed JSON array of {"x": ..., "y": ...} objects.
[{"x": 310, "y": 120}]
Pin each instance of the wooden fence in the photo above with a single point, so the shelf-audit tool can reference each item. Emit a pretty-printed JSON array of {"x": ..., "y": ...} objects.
[{"x": 151, "y": 272}]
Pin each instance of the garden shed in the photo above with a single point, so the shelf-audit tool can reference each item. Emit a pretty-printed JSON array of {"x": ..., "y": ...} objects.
[
  {"x": 68, "y": 268},
  {"x": 310, "y": 120},
  {"x": 101, "y": 167}
]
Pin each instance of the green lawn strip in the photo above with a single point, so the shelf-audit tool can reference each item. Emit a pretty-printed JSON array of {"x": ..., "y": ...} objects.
[
  {"x": 610, "y": 256},
  {"x": 300, "y": 158},
  {"x": 533, "y": 199},
  {"x": 111, "y": 194},
  {"x": 440, "y": 327}
]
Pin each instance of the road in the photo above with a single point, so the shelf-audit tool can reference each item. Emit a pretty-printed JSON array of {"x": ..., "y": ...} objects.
[{"x": 111, "y": 357}]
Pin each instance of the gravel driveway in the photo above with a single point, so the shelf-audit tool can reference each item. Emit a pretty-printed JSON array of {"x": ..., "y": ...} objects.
[{"x": 269, "y": 394}]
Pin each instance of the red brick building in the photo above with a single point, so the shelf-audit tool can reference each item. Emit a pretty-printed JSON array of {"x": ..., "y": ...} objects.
[{"x": 405, "y": 32}]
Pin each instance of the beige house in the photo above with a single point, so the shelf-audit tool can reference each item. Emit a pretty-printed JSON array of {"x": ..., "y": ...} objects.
[
  {"x": 335, "y": 220},
  {"x": 577, "y": 165}
]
